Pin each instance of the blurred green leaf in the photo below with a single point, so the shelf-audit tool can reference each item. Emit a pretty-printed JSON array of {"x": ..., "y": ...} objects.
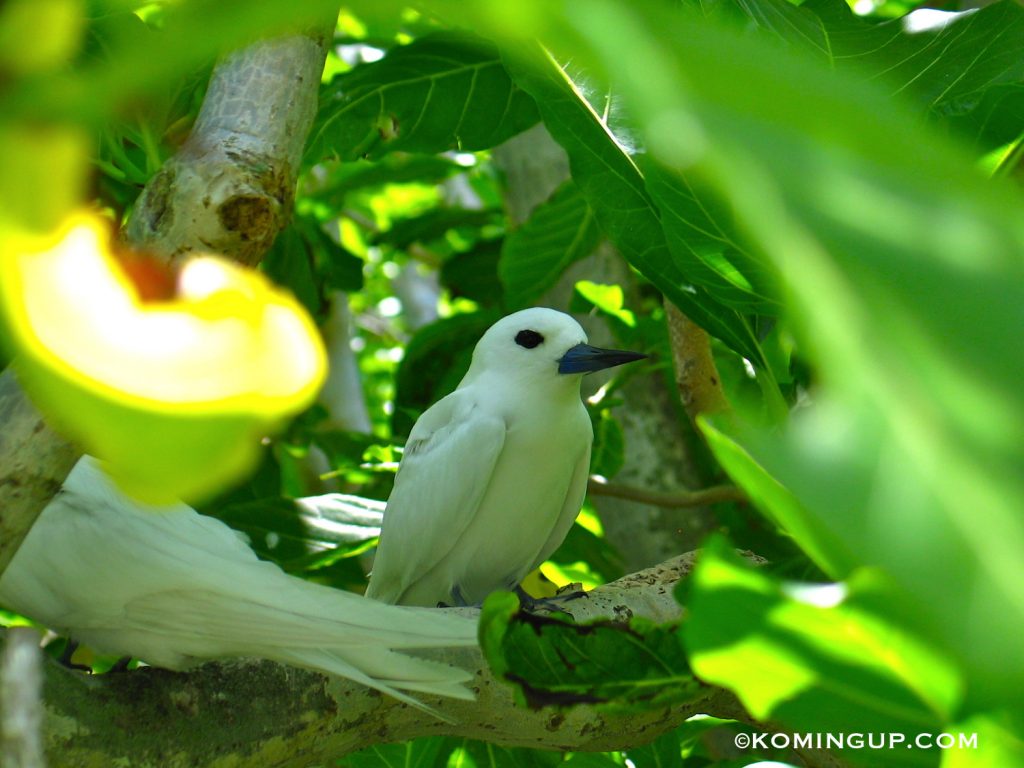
[
  {"x": 815, "y": 657},
  {"x": 560, "y": 231},
  {"x": 906, "y": 280},
  {"x": 192, "y": 34},
  {"x": 443, "y": 91},
  {"x": 552, "y": 662},
  {"x": 43, "y": 173},
  {"x": 610, "y": 299},
  {"x": 780, "y": 506}
]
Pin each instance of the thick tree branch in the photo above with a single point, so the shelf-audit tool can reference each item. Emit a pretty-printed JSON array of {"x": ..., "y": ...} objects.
[
  {"x": 251, "y": 713},
  {"x": 34, "y": 461},
  {"x": 229, "y": 190}
]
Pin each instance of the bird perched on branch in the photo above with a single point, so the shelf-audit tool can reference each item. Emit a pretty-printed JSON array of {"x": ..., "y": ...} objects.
[
  {"x": 173, "y": 587},
  {"x": 495, "y": 473}
]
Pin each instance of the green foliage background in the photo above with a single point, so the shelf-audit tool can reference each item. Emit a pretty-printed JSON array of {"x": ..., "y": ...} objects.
[{"x": 831, "y": 195}]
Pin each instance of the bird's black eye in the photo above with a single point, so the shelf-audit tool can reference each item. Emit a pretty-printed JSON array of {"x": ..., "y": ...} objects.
[{"x": 529, "y": 339}]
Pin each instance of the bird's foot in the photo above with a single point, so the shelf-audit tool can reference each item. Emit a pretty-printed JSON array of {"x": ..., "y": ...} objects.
[
  {"x": 121, "y": 665},
  {"x": 65, "y": 657},
  {"x": 550, "y": 604}
]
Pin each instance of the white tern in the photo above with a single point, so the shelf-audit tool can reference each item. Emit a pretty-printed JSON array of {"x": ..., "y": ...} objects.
[
  {"x": 173, "y": 587},
  {"x": 494, "y": 474}
]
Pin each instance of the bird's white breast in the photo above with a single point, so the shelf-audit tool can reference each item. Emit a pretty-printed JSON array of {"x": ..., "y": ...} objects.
[{"x": 525, "y": 499}]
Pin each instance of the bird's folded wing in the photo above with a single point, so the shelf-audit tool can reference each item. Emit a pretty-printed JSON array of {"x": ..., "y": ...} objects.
[
  {"x": 447, "y": 466},
  {"x": 575, "y": 494}
]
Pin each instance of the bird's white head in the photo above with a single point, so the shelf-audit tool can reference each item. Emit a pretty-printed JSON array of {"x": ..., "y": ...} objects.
[{"x": 538, "y": 345}]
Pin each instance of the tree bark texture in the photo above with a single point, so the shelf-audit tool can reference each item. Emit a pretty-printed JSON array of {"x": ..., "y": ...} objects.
[
  {"x": 229, "y": 190},
  {"x": 259, "y": 714}
]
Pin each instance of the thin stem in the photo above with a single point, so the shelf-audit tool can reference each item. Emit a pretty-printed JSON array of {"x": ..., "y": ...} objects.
[{"x": 713, "y": 495}]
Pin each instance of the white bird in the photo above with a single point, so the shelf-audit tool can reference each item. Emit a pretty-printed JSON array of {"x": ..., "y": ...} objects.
[
  {"x": 494, "y": 474},
  {"x": 173, "y": 587}
]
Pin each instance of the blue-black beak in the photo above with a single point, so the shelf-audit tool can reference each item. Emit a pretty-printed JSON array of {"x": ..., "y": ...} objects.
[{"x": 584, "y": 358}]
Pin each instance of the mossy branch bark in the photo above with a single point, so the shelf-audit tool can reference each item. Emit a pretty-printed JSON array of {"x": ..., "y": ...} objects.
[{"x": 258, "y": 713}]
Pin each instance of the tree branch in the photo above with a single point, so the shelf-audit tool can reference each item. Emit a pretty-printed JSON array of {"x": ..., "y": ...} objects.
[
  {"x": 229, "y": 190},
  {"x": 700, "y": 386},
  {"x": 713, "y": 495},
  {"x": 258, "y": 713},
  {"x": 34, "y": 461}
]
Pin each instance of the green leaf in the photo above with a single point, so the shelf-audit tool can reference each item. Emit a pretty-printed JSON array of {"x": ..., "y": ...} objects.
[
  {"x": 816, "y": 657},
  {"x": 482, "y": 754},
  {"x": 906, "y": 286},
  {"x": 552, "y": 662},
  {"x": 395, "y": 168},
  {"x": 778, "y": 504},
  {"x": 609, "y": 449},
  {"x": 435, "y": 361},
  {"x": 434, "y": 224},
  {"x": 445, "y": 91},
  {"x": 473, "y": 274},
  {"x": 289, "y": 262},
  {"x": 663, "y": 752},
  {"x": 338, "y": 268},
  {"x": 946, "y": 68},
  {"x": 706, "y": 242},
  {"x": 431, "y": 752},
  {"x": 612, "y": 184},
  {"x": 305, "y": 533},
  {"x": 610, "y": 299},
  {"x": 560, "y": 231}
]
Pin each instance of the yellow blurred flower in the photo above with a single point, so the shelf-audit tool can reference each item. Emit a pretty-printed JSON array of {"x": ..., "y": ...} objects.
[{"x": 171, "y": 377}]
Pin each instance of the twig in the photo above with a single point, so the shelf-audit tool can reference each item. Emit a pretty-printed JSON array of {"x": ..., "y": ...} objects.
[{"x": 713, "y": 495}]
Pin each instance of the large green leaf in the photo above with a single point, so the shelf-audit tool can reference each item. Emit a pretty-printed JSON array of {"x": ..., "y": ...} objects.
[
  {"x": 551, "y": 661},
  {"x": 560, "y": 230},
  {"x": 906, "y": 282},
  {"x": 445, "y": 91},
  {"x": 967, "y": 69},
  {"x": 945, "y": 66},
  {"x": 612, "y": 184},
  {"x": 706, "y": 243},
  {"x": 816, "y": 657}
]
